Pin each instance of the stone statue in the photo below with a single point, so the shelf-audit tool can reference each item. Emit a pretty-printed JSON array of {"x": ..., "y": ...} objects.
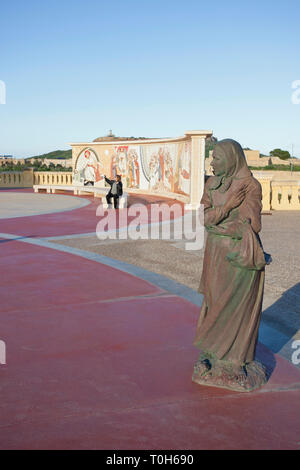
[{"x": 232, "y": 280}]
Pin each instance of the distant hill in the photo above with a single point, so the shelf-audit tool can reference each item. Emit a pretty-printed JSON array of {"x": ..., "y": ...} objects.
[{"x": 57, "y": 154}]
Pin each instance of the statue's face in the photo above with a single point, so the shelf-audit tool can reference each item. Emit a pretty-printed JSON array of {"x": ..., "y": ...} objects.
[{"x": 218, "y": 163}]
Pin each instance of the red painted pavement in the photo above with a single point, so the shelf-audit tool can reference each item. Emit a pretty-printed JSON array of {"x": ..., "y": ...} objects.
[
  {"x": 98, "y": 359},
  {"x": 82, "y": 220}
]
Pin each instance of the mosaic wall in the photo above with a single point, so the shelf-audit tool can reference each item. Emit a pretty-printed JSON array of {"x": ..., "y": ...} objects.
[{"x": 152, "y": 167}]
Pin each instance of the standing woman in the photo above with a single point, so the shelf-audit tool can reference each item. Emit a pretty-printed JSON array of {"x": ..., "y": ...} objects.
[{"x": 232, "y": 280}]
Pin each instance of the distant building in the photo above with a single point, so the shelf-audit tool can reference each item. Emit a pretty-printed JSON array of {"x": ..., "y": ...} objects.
[
  {"x": 255, "y": 160},
  {"x": 9, "y": 159},
  {"x": 64, "y": 162}
]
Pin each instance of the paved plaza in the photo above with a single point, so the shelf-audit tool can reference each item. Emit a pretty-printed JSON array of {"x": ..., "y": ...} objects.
[
  {"x": 18, "y": 204},
  {"x": 99, "y": 336}
]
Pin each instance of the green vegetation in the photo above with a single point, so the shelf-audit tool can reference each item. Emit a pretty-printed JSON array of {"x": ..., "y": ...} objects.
[
  {"x": 57, "y": 154},
  {"x": 210, "y": 144},
  {"x": 277, "y": 167},
  {"x": 283, "y": 154},
  {"x": 36, "y": 166},
  {"x": 12, "y": 167}
]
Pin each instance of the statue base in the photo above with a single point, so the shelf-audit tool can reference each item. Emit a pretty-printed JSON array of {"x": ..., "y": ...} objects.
[{"x": 224, "y": 374}]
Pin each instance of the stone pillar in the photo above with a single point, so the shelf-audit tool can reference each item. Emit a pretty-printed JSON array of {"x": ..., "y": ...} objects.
[
  {"x": 197, "y": 166},
  {"x": 265, "y": 182},
  {"x": 27, "y": 178},
  {"x": 276, "y": 190},
  {"x": 295, "y": 201},
  {"x": 76, "y": 149}
]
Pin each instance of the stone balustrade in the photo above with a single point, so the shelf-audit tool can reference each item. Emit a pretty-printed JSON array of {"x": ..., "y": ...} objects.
[
  {"x": 285, "y": 195},
  {"x": 52, "y": 178},
  {"x": 16, "y": 179},
  {"x": 277, "y": 194},
  {"x": 28, "y": 178}
]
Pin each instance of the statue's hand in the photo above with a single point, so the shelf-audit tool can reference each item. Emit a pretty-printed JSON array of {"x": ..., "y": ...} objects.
[{"x": 236, "y": 199}]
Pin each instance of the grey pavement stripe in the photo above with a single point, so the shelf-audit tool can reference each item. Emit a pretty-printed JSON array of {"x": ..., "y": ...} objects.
[
  {"x": 62, "y": 237},
  {"x": 273, "y": 339},
  {"x": 153, "y": 278},
  {"x": 117, "y": 230}
]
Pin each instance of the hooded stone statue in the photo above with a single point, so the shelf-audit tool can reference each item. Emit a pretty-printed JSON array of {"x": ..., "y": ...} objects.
[{"x": 232, "y": 280}]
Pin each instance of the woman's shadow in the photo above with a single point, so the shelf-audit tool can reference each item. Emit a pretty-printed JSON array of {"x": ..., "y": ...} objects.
[
  {"x": 6, "y": 240},
  {"x": 279, "y": 323}
]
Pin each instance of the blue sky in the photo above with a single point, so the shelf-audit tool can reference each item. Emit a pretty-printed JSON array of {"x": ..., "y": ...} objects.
[{"x": 74, "y": 69}]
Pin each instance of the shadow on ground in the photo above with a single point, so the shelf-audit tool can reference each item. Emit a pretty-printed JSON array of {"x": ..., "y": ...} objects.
[
  {"x": 16, "y": 239},
  {"x": 281, "y": 323}
]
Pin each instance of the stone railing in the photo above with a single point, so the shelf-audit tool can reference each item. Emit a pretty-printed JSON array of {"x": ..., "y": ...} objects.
[
  {"x": 279, "y": 194},
  {"x": 16, "y": 179},
  {"x": 285, "y": 195},
  {"x": 53, "y": 177},
  {"x": 28, "y": 178}
]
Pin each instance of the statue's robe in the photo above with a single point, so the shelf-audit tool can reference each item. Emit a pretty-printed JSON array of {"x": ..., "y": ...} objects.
[{"x": 232, "y": 280}]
